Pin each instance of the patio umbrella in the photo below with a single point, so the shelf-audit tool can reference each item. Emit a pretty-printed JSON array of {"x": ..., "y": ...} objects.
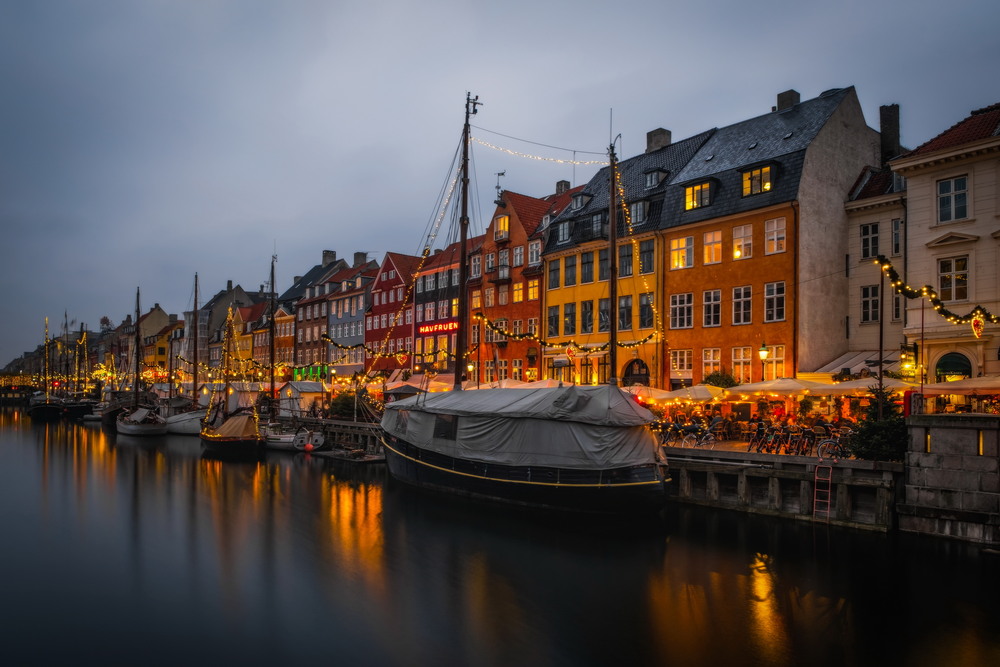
[
  {"x": 986, "y": 384},
  {"x": 781, "y": 387},
  {"x": 861, "y": 387},
  {"x": 699, "y": 393},
  {"x": 648, "y": 394}
]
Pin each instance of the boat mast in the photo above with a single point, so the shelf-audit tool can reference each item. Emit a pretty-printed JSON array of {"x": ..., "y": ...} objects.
[
  {"x": 270, "y": 335},
  {"x": 135, "y": 356},
  {"x": 194, "y": 372},
  {"x": 45, "y": 370},
  {"x": 463, "y": 272},
  {"x": 613, "y": 267}
]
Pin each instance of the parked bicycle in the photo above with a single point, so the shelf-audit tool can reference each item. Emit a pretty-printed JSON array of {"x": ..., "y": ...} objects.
[
  {"x": 835, "y": 447},
  {"x": 699, "y": 436}
]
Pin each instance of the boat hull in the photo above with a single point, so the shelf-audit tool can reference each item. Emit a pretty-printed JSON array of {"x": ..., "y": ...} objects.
[
  {"x": 635, "y": 489},
  {"x": 45, "y": 411},
  {"x": 125, "y": 428},
  {"x": 303, "y": 440},
  {"x": 186, "y": 423}
]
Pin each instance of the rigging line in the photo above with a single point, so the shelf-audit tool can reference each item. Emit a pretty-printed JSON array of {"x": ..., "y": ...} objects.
[{"x": 536, "y": 143}]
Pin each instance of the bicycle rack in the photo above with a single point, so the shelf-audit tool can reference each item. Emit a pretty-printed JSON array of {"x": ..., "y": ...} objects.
[{"x": 822, "y": 490}]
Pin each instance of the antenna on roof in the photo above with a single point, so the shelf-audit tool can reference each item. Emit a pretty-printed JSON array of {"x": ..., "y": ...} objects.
[{"x": 499, "y": 200}]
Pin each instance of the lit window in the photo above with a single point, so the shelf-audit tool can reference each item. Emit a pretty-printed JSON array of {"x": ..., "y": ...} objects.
[
  {"x": 756, "y": 181},
  {"x": 712, "y": 242},
  {"x": 743, "y": 242},
  {"x": 682, "y": 253},
  {"x": 696, "y": 196},
  {"x": 711, "y": 361},
  {"x": 501, "y": 227},
  {"x": 953, "y": 278}
]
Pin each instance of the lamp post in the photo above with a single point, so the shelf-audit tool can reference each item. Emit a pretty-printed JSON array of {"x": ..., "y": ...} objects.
[{"x": 762, "y": 353}]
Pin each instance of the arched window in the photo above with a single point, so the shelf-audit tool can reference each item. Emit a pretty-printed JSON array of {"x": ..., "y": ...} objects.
[
  {"x": 636, "y": 372},
  {"x": 953, "y": 366}
]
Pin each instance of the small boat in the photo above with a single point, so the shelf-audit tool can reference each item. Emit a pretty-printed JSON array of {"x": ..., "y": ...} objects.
[
  {"x": 186, "y": 423},
  {"x": 190, "y": 421},
  {"x": 302, "y": 439},
  {"x": 573, "y": 448},
  {"x": 139, "y": 419}
]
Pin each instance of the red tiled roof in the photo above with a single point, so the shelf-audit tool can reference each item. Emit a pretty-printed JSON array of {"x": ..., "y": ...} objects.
[
  {"x": 871, "y": 183},
  {"x": 529, "y": 210},
  {"x": 981, "y": 124}
]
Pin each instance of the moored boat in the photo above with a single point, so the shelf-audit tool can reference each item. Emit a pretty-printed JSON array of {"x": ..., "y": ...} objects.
[
  {"x": 139, "y": 419},
  {"x": 301, "y": 439}
]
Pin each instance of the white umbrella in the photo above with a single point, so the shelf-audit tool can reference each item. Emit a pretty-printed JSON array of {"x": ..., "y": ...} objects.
[
  {"x": 648, "y": 393},
  {"x": 986, "y": 384},
  {"x": 781, "y": 387},
  {"x": 699, "y": 393}
]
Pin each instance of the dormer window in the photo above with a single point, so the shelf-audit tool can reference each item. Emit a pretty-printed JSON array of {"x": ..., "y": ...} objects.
[
  {"x": 697, "y": 195},
  {"x": 562, "y": 232},
  {"x": 756, "y": 181},
  {"x": 654, "y": 177},
  {"x": 580, "y": 200},
  {"x": 546, "y": 219},
  {"x": 501, "y": 227},
  {"x": 637, "y": 211}
]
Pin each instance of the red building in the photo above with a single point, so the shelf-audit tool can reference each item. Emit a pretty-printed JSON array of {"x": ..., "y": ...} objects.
[{"x": 389, "y": 321}]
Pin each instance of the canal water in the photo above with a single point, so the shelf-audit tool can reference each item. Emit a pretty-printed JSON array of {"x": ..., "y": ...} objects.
[{"x": 139, "y": 551}]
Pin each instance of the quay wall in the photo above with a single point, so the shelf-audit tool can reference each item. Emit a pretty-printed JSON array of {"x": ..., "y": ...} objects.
[
  {"x": 952, "y": 484},
  {"x": 862, "y": 494}
]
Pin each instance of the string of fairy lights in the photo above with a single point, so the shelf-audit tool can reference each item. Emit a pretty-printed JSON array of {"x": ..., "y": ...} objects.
[{"x": 977, "y": 317}]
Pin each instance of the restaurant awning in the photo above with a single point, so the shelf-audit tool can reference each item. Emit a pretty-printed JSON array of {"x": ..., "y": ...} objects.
[{"x": 857, "y": 361}]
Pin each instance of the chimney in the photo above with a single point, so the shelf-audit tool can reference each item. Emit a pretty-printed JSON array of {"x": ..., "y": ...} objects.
[
  {"x": 360, "y": 259},
  {"x": 329, "y": 257},
  {"x": 562, "y": 187},
  {"x": 888, "y": 119},
  {"x": 657, "y": 139},
  {"x": 788, "y": 99},
  {"x": 229, "y": 285}
]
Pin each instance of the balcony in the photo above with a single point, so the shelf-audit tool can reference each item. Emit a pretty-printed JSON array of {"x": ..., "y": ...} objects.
[{"x": 501, "y": 274}]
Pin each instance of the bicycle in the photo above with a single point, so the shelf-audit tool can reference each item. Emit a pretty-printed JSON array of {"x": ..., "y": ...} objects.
[
  {"x": 835, "y": 447},
  {"x": 701, "y": 437}
]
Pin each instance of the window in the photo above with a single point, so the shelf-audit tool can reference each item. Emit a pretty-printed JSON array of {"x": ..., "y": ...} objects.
[
  {"x": 454, "y": 277},
  {"x": 756, "y": 181},
  {"x": 535, "y": 253},
  {"x": 587, "y": 267},
  {"x": 533, "y": 325},
  {"x": 712, "y": 242},
  {"x": 637, "y": 211},
  {"x": 682, "y": 253},
  {"x": 774, "y": 365},
  {"x": 711, "y": 361},
  {"x": 696, "y": 196},
  {"x": 475, "y": 271},
  {"x": 429, "y": 281},
  {"x": 624, "y": 260},
  {"x": 625, "y": 312},
  {"x": 743, "y": 242},
  {"x": 869, "y": 240},
  {"x": 681, "y": 360},
  {"x": 579, "y": 200},
  {"x": 519, "y": 255},
  {"x": 553, "y": 274},
  {"x": 953, "y": 278},
  {"x": 477, "y": 299},
  {"x": 712, "y": 308},
  {"x": 774, "y": 236},
  {"x": 586, "y": 317},
  {"x": 562, "y": 232},
  {"x": 553, "y": 322},
  {"x": 533, "y": 290},
  {"x": 646, "y": 256},
  {"x": 682, "y": 311},
  {"x": 501, "y": 228},
  {"x": 952, "y": 199},
  {"x": 597, "y": 225},
  {"x": 491, "y": 261},
  {"x": 518, "y": 296},
  {"x": 604, "y": 315},
  {"x": 490, "y": 294},
  {"x": 653, "y": 178},
  {"x": 602, "y": 264},
  {"x": 517, "y": 369},
  {"x": 897, "y": 307},
  {"x": 742, "y": 359},
  {"x": 897, "y": 237},
  {"x": 502, "y": 295},
  {"x": 774, "y": 301},
  {"x": 569, "y": 319},
  {"x": 869, "y": 303},
  {"x": 569, "y": 271},
  {"x": 475, "y": 334},
  {"x": 645, "y": 310},
  {"x": 741, "y": 305}
]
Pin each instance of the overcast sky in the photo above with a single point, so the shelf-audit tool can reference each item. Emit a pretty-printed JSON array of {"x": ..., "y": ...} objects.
[{"x": 142, "y": 141}]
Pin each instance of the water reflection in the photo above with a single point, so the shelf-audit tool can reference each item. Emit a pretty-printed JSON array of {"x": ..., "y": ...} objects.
[{"x": 297, "y": 558}]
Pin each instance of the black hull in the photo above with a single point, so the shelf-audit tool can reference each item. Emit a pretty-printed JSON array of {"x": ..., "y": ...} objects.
[
  {"x": 633, "y": 490},
  {"x": 45, "y": 412},
  {"x": 241, "y": 450}
]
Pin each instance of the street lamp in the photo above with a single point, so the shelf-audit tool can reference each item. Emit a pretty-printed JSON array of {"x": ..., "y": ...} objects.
[{"x": 762, "y": 353}]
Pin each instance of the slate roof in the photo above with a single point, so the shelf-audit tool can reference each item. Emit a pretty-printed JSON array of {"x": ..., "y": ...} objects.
[
  {"x": 778, "y": 138},
  {"x": 670, "y": 159},
  {"x": 980, "y": 124}
]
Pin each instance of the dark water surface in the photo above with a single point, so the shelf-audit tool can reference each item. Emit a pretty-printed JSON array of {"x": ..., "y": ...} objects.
[{"x": 129, "y": 551}]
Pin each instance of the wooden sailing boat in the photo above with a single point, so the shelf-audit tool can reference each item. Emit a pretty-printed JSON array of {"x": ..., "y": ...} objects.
[
  {"x": 189, "y": 421},
  {"x": 43, "y": 406},
  {"x": 575, "y": 448},
  {"x": 226, "y": 432},
  {"x": 143, "y": 418}
]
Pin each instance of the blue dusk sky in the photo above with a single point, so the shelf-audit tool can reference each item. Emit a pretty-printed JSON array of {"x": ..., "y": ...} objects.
[{"x": 142, "y": 141}]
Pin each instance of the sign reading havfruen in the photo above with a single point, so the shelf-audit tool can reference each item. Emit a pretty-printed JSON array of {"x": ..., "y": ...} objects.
[{"x": 439, "y": 327}]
